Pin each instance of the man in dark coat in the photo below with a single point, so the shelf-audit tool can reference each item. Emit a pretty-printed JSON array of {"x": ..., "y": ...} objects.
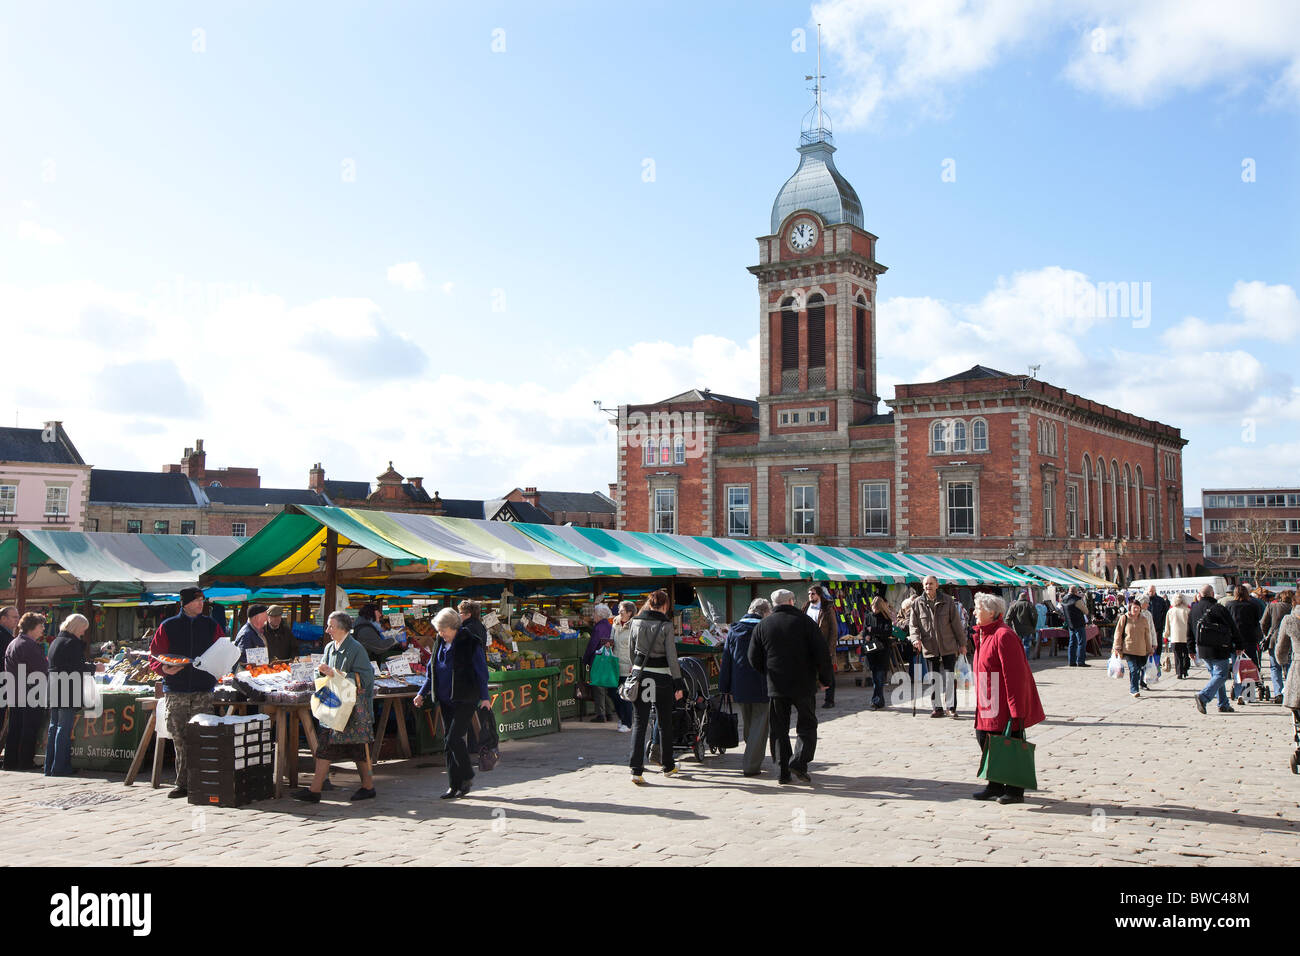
[
  {"x": 188, "y": 689},
  {"x": 792, "y": 652},
  {"x": 1159, "y": 608},
  {"x": 1023, "y": 618},
  {"x": 746, "y": 686},
  {"x": 1211, "y": 626},
  {"x": 281, "y": 645},
  {"x": 1075, "y": 607}
]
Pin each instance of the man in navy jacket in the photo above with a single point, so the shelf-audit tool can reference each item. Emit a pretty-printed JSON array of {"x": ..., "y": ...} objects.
[
  {"x": 746, "y": 686},
  {"x": 188, "y": 689}
]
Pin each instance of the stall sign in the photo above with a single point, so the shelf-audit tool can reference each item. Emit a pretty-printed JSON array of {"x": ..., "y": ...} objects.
[
  {"x": 109, "y": 741},
  {"x": 491, "y": 620},
  {"x": 257, "y": 655}
]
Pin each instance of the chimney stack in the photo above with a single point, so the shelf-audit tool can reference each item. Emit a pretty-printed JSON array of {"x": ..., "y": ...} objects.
[
  {"x": 316, "y": 479},
  {"x": 417, "y": 482},
  {"x": 194, "y": 462},
  {"x": 530, "y": 496}
]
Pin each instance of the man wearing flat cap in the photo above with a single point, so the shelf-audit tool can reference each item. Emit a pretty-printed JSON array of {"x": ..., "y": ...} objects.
[
  {"x": 188, "y": 688},
  {"x": 281, "y": 645},
  {"x": 250, "y": 635}
]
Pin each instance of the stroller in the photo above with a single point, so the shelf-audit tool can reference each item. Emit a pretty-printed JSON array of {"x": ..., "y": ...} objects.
[
  {"x": 690, "y": 715},
  {"x": 1246, "y": 687}
]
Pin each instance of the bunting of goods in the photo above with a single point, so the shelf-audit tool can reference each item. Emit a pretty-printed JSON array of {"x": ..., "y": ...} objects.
[{"x": 852, "y": 601}]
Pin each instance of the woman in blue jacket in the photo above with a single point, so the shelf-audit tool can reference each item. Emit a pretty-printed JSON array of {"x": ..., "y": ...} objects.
[
  {"x": 458, "y": 680},
  {"x": 745, "y": 686}
]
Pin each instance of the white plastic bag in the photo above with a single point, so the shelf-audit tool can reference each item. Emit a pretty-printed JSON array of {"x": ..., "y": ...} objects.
[
  {"x": 1151, "y": 673},
  {"x": 964, "y": 678},
  {"x": 1115, "y": 667},
  {"x": 333, "y": 701}
]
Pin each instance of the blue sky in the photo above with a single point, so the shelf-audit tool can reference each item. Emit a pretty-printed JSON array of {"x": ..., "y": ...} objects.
[{"x": 204, "y": 226}]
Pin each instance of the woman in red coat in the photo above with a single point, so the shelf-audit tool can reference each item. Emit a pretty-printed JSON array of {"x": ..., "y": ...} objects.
[{"x": 1004, "y": 687}]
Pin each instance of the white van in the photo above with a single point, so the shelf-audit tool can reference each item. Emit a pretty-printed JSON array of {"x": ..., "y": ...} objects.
[{"x": 1168, "y": 587}]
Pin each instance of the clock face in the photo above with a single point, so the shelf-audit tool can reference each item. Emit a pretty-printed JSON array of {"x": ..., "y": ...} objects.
[{"x": 802, "y": 236}]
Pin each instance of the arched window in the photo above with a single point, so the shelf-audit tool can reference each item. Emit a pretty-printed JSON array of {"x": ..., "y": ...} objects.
[
  {"x": 1087, "y": 497},
  {"x": 979, "y": 435},
  {"x": 1128, "y": 490},
  {"x": 959, "y": 435},
  {"x": 860, "y": 333},
  {"x": 665, "y": 452},
  {"x": 1130, "y": 573},
  {"x": 679, "y": 451},
  {"x": 789, "y": 346},
  {"x": 1101, "y": 499},
  {"x": 1142, "y": 572},
  {"x": 651, "y": 456},
  {"x": 1114, "y": 502},
  {"x": 939, "y": 437},
  {"x": 816, "y": 341},
  {"x": 1137, "y": 504},
  {"x": 1169, "y": 570}
]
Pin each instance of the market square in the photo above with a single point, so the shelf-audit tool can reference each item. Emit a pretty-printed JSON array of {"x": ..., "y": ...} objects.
[{"x": 401, "y": 472}]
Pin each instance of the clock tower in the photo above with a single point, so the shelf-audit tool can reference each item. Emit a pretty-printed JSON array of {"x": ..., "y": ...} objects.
[{"x": 817, "y": 300}]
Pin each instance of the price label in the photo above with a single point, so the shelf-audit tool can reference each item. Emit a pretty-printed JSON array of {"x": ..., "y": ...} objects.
[
  {"x": 564, "y": 623},
  {"x": 117, "y": 681},
  {"x": 491, "y": 620},
  {"x": 539, "y": 619},
  {"x": 303, "y": 672},
  {"x": 397, "y": 619},
  {"x": 317, "y": 658},
  {"x": 257, "y": 655},
  {"x": 514, "y": 645},
  {"x": 399, "y": 667},
  {"x": 411, "y": 654}
]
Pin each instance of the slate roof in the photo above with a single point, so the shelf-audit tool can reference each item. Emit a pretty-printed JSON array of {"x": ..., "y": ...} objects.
[
  {"x": 26, "y": 445},
  {"x": 263, "y": 496},
  {"x": 885, "y": 419},
  {"x": 347, "y": 489},
  {"x": 141, "y": 487},
  {"x": 704, "y": 395},
  {"x": 977, "y": 371},
  {"x": 592, "y": 501}
]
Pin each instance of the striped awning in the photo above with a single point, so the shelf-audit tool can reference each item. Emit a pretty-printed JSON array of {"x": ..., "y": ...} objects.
[
  {"x": 967, "y": 571},
  {"x": 1065, "y": 576},
  {"x": 728, "y": 557},
  {"x": 614, "y": 553}
]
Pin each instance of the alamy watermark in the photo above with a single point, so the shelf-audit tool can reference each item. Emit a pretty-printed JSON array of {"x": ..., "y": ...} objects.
[
  {"x": 674, "y": 436},
  {"x": 1079, "y": 298}
]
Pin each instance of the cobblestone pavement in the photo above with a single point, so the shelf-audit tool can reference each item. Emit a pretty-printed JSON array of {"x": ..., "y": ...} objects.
[{"x": 1124, "y": 781}]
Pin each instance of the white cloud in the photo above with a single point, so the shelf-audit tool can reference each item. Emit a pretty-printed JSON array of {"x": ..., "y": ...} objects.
[
  {"x": 35, "y": 232},
  {"x": 1261, "y": 312},
  {"x": 1133, "y": 51},
  {"x": 447, "y": 287},
  {"x": 408, "y": 275}
]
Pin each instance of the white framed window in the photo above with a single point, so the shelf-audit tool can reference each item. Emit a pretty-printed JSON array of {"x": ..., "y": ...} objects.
[
  {"x": 1047, "y": 438},
  {"x": 239, "y": 529},
  {"x": 939, "y": 437},
  {"x": 650, "y": 455},
  {"x": 803, "y": 509},
  {"x": 785, "y": 418},
  {"x": 1049, "y": 509},
  {"x": 1072, "y": 511},
  {"x": 8, "y": 499},
  {"x": 56, "y": 500},
  {"x": 821, "y": 416},
  {"x": 738, "y": 511},
  {"x": 959, "y": 436},
  {"x": 961, "y": 507},
  {"x": 875, "y": 508},
  {"x": 679, "y": 451},
  {"x": 979, "y": 435},
  {"x": 665, "y": 452},
  {"x": 1151, "y": 517},
  {"x": 665, "y": 511}
]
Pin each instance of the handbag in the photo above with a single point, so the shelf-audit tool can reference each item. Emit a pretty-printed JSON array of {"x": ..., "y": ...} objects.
[
  {"x": 722, "y": 732},
  {"x": 489, "y": 751},
  {"x": 631, "y": 686},
  {"x": 604, "y": 670},
  {"x": 1008, "y": 760}
]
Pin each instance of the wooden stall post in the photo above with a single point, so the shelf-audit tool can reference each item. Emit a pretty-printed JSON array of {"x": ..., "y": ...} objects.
[
  {"x": 331, "y": 571},
  {"x": 20, "y": 597}
]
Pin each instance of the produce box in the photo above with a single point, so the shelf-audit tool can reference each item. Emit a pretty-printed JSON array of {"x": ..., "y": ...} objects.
[{"x": 231, "y": 760}]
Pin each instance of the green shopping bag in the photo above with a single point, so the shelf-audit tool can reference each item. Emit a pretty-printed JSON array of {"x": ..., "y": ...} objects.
[
  {"x": 1009, "y": 760},
  {"x": 604, "y": 670}
]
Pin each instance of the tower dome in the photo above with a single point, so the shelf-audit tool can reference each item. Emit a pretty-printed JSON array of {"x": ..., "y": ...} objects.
[{"x": 817, "y": 185}]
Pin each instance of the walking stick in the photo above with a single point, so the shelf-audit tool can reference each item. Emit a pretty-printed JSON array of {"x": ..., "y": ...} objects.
[{"x": 913, "y": 684}]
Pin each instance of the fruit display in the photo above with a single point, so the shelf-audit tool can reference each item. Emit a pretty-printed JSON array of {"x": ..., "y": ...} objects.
[{"x": 134, "y": 666}]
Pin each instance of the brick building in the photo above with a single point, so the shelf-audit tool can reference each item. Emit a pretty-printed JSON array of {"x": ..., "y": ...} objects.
[
  {"x": 1238, "y": 522},
  {"x": 981, "y": 464},
  {"x": 582, "y": 509}
]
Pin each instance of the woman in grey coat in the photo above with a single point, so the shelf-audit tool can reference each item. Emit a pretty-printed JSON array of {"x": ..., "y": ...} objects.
[{"x": 654, "y": 652}]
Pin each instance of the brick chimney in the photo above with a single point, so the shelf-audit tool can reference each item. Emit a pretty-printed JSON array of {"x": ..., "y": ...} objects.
[
  {"x": 530, "y": 496},
  {"x": 417, "y": 482},
  {"x": 316, "y": 479},
  {"x": 194, "y": 464},
  {"x": 613, "y": 490}
]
